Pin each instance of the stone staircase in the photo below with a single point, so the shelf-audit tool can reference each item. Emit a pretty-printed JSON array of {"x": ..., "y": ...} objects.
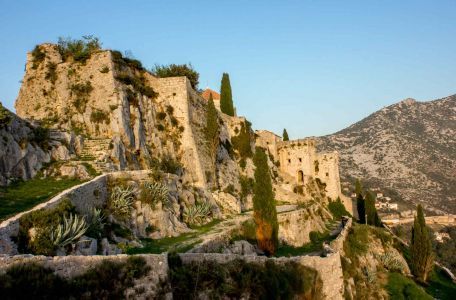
[{"x": 95, "y": 152}]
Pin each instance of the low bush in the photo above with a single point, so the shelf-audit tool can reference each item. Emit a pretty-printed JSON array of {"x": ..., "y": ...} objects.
[
  {"x": 5, "y": 116},
  {"x": 153, "y": 193},
  {"x": 99, "y": 116},
  {"x": 337, "y": 209},
  {"x": 174, "y": 70},
  {"x": 78, "y": 50},
  {"x": 169, "y": 165},
  {"x": 51, "y": 73},
  {"x": 239, "y": 279},
  {"x": 38, "y": 57},
  {"x": 357, "y": 240},
  {"x": 138, "y": 83},
  {"x": 35, "y": 228},
  {"x": 400, "y": 287},
  {"x": 107, "y": 280}
]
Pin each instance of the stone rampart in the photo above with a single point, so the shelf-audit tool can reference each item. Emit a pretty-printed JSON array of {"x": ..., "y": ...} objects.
[
  {"x": 329, "y": 268},
  {"x": 71, "y": 266}
]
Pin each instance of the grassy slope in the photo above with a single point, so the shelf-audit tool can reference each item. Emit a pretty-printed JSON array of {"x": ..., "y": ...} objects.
[{"x": 25, "y": 195}]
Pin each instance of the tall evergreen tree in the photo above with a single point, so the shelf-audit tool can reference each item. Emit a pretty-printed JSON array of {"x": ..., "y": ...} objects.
[
  {"x": 226, "y": 98},
  {"x": 285, "y": 135},
  {"x": 264, "y": 210},
  {"x": 360, "y": 204},
  {"x": 422, "y": 256},
  {"x": 212, "y": 131},
  {"x": 372, "y": 217}
]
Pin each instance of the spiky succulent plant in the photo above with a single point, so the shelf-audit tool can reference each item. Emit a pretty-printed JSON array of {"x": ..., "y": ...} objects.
[
  {"x": 72, "y": 229},
  {"x": 121, "y": 200},
  {"x": 197, "y": 214}
]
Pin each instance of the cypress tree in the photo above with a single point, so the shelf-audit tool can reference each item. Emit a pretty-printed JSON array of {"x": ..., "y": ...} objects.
[
  {"x": 212, "y": 131},
  {"x": 285, "y": 135},
  {"x": 264, "y": 210},
  {"x": 226, "y": 98},
  {"x": 360, "y": 204},
  {"x": 421, "y": 253},
  {"x": 371, "y": 211}
]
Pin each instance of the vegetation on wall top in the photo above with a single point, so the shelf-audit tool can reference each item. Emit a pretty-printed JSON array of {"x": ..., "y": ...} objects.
[
  {"x": 78, "y": 49},
  {"x": 174, "y": 70}
]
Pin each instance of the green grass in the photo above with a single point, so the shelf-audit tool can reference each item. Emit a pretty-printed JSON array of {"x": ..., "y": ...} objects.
[
  {"x": 314, "y": 246},
  {"x": 440, "y": 285},
  {"x": 25, "y": 195},
  {"x": 178, "y": 243},
  {"x": 402, "y": 288}
]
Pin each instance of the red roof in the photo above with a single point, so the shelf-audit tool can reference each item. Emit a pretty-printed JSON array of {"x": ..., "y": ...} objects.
[{"x": 207, "y": 92}]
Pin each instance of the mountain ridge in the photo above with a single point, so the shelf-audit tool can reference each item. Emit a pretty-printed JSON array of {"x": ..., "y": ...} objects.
[{"x": 407, "y": 147}]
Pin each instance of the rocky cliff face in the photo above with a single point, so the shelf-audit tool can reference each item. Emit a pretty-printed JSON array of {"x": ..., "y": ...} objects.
[
  {"x": 408, "y": 147},
  {"x": 144, "y": 118}
]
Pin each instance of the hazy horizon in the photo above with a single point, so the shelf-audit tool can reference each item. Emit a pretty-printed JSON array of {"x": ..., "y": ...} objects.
[{"x": 313, "y": 68}]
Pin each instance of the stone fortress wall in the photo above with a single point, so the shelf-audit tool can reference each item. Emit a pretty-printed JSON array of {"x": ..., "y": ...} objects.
[
  {"x": 329, "y": 268},
  {"x": 299, "y": 159}
]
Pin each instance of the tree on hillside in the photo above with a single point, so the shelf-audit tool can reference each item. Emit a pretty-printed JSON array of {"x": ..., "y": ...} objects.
[
  {"x": 372, "y": 217},
  {"x": 285, "y": 135},
  {"x": 421, "y": 252},
  {"x": 212, "y": 131},
  {"x": 360, "y": 204},
  {"x": 174, "y": 70},
  {"x": 226, "y": 98},
  {"x": 264, "y": 210}
]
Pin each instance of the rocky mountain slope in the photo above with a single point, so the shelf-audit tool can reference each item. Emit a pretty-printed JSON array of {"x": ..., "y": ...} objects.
[{"x": 408, "y": 147}]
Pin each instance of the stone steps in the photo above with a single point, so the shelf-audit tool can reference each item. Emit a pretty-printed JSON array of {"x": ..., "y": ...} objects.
[{"x": 93, "y": 152}]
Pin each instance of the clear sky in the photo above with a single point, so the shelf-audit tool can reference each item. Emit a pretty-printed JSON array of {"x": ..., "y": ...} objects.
[{"x": 313, "y": 67}]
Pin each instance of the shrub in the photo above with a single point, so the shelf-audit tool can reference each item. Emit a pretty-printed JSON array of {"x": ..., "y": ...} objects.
[
  {"x": 401, "y": 287},
  {"x": 121, "y": 200},
  {"x": 239, "y": 279},
  {"x": 51, "y": 74},
  {"x": 81, "y": 91},
  {"x": 5, "y": 116},
  {"x": 161, "y": 115},
  {"x": 42, "y": 222},
  {"x": 122, "y": 61},
  {"x": 230, "y": 190},
  {"x": 169, "y": 110},
  {"x": 79, "y": 50},
  {"x": 357, "y": 241},
  {"x": 197, "y": 214},
  {"x": 31, "y": 281},
  {"x": 391, "y": 262},
  {"x": 138, "y": 83},
  {"x": 96, "y": 220},
  {"x": 69, "y": 232},
  {"x": 169, "y": 165},
  {"x": 337, "y": 209},
  {"x": 153, "y": 193},
  {"x": 106, "y": 280},
  {"x": 174, "y": 70},
  {"x": 38, "y": 57},
  {"x": 104, "y": 70},
  {"x": 99, "y": 116}
]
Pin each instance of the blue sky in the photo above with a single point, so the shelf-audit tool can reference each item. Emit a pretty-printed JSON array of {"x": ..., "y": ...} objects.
[{"x": 313, "y": 67}]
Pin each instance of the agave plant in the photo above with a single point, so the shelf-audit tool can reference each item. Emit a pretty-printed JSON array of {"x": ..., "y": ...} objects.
[
  {"x": 154, "y": 192},
  {"x": 392, "y": 262},
  {"x": 197, "y": 214},
  {"x": 371, "y": 275},
  {"x": 72, "y": 229},
  {"x": 122, "y": 200}
]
